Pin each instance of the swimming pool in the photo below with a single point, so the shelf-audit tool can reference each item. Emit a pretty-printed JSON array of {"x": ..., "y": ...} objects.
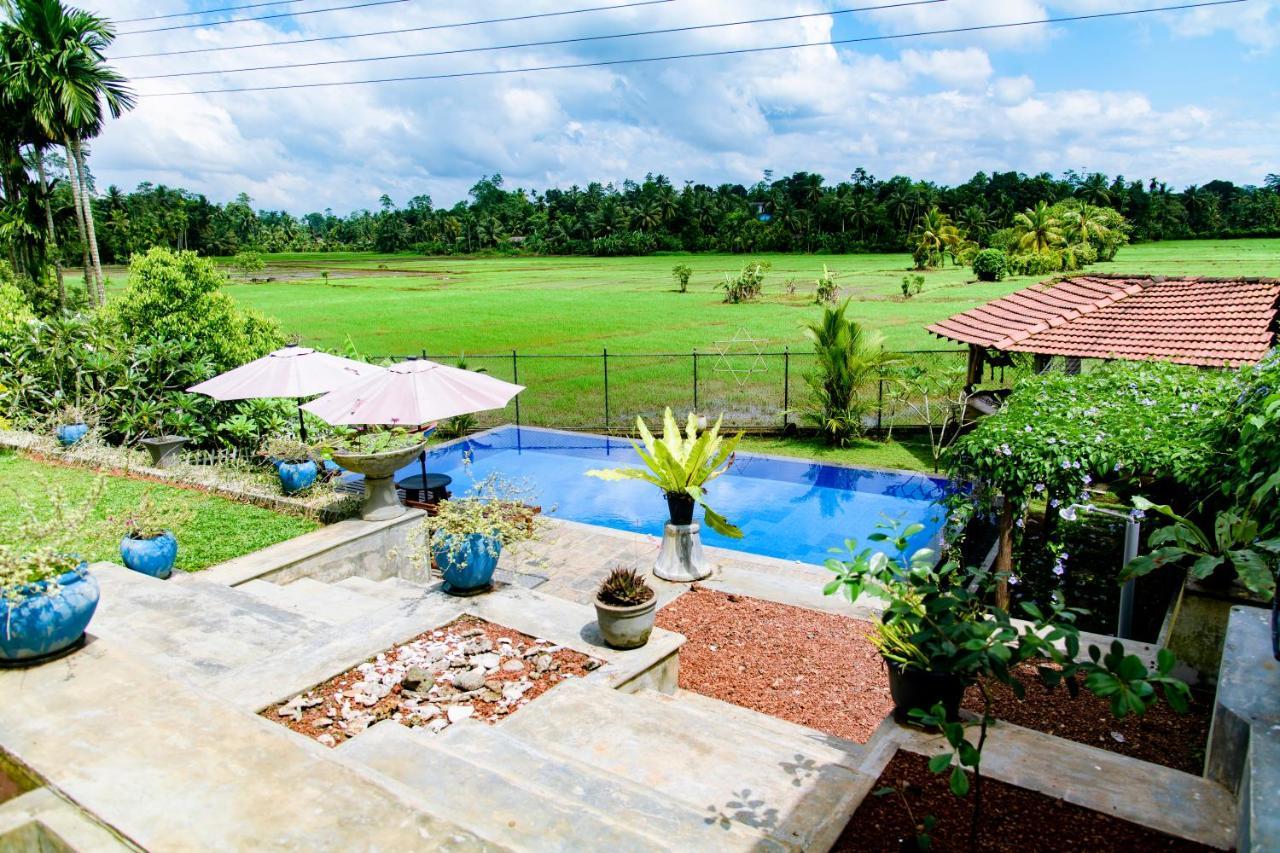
[{"x": 787, "y": 508}]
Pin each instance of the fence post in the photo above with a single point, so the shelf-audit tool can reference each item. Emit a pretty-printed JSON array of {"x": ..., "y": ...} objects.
[
  {"x": 515, "y": 377},
  {"x": 786, "y": 384},
  {"x": 605, "y": 358},
  {"x": 880, "y": 396},
  {"x": 695, "y": 380}
]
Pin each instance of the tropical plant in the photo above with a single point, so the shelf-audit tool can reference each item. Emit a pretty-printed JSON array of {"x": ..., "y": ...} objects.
[
  {"x": 748, "y": 284},
  {"x": 827, "y": 291},
  {"x": 990, "y": 265},
  {"x": 1238, "y": 541},
  {"x": 369, "y": 441},
  {"x": 937, "y": 619},
  {"x": 934, "y": 235},
  {"x": 624, "y": 587},
  {"x": 682, "y": 273},
  {"x": 847, "y": 360},
  {"x": 912, "y": 285},
  {"x": 1037, "y": 229},
  {"x": 247, "y": 262},
  {"x": 681, "y": 464}
]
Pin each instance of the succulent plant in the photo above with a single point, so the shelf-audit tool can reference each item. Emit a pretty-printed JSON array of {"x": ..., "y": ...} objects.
[{"x": 624, "y": 587}]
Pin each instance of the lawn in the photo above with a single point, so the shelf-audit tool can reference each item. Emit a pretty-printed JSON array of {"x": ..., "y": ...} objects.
[
  {"x": 901, "y": 453},
  {"x": 219, "y": 529}
]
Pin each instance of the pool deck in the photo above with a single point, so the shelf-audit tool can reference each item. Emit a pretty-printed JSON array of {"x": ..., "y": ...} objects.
[{"x": 570, "y": 559}]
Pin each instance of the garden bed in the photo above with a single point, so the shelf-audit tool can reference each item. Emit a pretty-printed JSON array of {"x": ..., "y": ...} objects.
[
  {"x": 1161, "y": 736},
  {"x": 469, "y": 668},
  {"x": 1014, "y": 819},
  {"x": 812, "y": 668}
]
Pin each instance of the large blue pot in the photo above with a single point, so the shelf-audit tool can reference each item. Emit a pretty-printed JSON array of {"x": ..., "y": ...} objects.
[
  {"x": 469, "y": 569},
  {"x": 42, "y": 624},
  {"x": 153, "y": 557},
  {"x": 69, "y": 434},
  {"x": 296, "y": 476}
]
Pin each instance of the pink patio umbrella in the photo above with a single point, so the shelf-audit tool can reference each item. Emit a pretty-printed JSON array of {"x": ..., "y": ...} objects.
[
  {"x": 413, "y": 393},
  {"x": 293, "y": 371}
]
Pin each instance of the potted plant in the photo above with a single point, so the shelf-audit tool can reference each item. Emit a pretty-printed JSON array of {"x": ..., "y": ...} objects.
[
  {"x": 377, "y": 454},
  {"x": 466, "y": 535},
  {"x": 72, "y": 425},
  {"x": 47, "y": 595},
  {"x": 149, "y": 545},
  {"x": 625, "y": 609},
  {"x": 294, "y": 462},
  {"x": 165, "y": 449},
  {"x": 940, "y": 632},
  {"x": 682, "y": 466}
]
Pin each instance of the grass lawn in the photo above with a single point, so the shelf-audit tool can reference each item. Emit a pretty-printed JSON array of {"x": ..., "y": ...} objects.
[
  {"x": 906, "y": 454},
  {"x": 219, "y": 530}
]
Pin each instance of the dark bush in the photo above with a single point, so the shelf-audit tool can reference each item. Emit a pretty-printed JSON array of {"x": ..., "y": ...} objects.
[{"x": 990, "y": 265}]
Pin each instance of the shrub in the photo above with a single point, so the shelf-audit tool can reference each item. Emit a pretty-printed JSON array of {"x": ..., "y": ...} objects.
[
  {"x": 248, "y": 262},
  {"x": 990, "y": 265},
  {"x": 178, "y": 296},
  {"x": 15, "y": 309},
  {"x": 827, "y": 292},
  {"x": 749, "y": 283},
  {"x": 1006, "y": 240},
  {"x": 911, "y": 285},
  {"x": 682, "y": 273},
  {"x": 1036, "y": 263}
]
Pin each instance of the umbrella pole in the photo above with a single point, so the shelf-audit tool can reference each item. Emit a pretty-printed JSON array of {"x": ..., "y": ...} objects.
[
  {"x": 302, "y": 424},
  {"x": 422, "y": 463}
]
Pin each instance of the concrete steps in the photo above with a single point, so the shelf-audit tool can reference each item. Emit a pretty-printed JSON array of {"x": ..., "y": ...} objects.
[
  {"x": 478, "y": 783},
  {"x": 192, "y": 628},
  {"x": 322, "y": 601},
  {"x": 795, "y": 790},
  {"x": 392, "y": 589}
]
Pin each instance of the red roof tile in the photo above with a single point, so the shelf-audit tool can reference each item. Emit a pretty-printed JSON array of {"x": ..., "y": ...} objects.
[{"x": 1204, "y": 321}]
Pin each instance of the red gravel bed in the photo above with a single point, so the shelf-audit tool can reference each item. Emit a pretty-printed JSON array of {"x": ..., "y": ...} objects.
[
  {"x": 565, "y": 663},
  {"x": 1161, "y": 736},
  {"x": 1014, "y": 820},
  {"x": 812, "y": 668}
]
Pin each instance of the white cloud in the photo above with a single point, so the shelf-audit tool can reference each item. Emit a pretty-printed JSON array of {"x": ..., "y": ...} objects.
[{"x": 936, "y": 108}]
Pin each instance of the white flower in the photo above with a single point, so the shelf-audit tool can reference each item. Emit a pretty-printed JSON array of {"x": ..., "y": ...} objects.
[
  {"x": 1004, "y": 448},
  {"x": 1027, "y": 428}
]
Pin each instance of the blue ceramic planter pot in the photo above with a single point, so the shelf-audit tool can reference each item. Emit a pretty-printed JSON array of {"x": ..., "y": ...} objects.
[
  {"x": 69, "y": 434},
  {"x": 469, "y": 569},
  {"x": 42, "y": 624},
  {"x": 296, "y": 476},
  {"x": 153, "y": 557}
]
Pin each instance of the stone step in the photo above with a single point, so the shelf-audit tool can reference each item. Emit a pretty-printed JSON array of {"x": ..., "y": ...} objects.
[
  {"x": 681, "y": 827},
  {"x": 1168, "y": 800},
  {"x": 393, "y": 589},
  {"x": 796, "y": 790},
  {"x": 192, "y": 628},
  {"x": 318, "y": 600},
  {"x": 471, "y": 790}
]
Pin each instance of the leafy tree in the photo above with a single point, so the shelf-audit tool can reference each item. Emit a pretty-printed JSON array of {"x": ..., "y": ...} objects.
[
  {"x": 1037, "y": 229},
  {"x": 682, "y": 273},
  {"x": 935, "y": 235},
  {"x": 848, "y": 359}
]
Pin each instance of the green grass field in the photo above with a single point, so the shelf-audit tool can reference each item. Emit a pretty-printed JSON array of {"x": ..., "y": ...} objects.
[
  {"x": 218, "y": 530},
  {"x": 582, "y": 305}
]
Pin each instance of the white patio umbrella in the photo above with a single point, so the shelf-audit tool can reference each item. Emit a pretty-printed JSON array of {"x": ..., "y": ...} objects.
[
  {"x": 293, "y": 371},
  {"x": 413, "y": 393}
]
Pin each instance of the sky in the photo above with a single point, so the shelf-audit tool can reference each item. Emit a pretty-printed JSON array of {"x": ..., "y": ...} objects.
[{"x": 1185, "y": 96}]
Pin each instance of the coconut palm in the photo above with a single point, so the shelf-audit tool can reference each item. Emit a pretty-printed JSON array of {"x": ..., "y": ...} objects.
[
  {"x": 934, "y": 235},
  {"x": 59, "y": 66},
  {"x": 1038, "y": 229},
  {"x": 1084, "y": 223},
  {"x": 848, "y": 361}
]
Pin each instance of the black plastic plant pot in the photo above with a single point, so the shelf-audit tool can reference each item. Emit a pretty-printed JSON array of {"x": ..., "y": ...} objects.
[
  {"x": 681, "y": 509},
  {"x": 913, "y": 688}
]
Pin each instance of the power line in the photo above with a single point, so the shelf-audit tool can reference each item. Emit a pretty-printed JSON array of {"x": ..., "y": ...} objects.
[
  {"x": 731, "y": 52},
  {"x": 205, "y": 11},
  {"x": 573, "y": 40},
  {"x": 397, "y": 31},
  {"x": 261, "y": 17}
]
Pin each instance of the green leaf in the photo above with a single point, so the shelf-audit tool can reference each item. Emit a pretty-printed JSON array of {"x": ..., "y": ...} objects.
[
  {"x": 940, "y": 763},
  {"x": 959, "y": 782}
]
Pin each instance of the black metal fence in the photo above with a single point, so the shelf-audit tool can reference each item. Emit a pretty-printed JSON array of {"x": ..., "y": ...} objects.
[{"x": 756, "y": 391}]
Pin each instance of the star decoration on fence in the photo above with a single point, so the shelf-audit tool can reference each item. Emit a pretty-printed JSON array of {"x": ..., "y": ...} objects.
[{"x": 742, "y": 348}]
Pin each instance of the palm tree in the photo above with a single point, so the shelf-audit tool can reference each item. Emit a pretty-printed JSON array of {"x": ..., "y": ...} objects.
[
  {"x": 848, "y": 360},
  {"x": 59, "y": 65},
  {"x": 934, "y": 235},
  {"x": 976, "y": 222},
  {"x": 1084, "y": 223},
  {"x": 1037, "y": 229}
]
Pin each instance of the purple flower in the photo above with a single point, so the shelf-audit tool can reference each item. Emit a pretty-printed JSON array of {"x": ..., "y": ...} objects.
[
  {"x": 1068, "y": 513},
  {"x": 1059, "y": 570},
  {"x": 1087, "y": 479},
  {"x": 1004, "y": 448},
  {"x": 1039, "y": 487}
]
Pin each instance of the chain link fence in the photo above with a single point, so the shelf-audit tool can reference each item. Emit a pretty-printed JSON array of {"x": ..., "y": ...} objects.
[{"x": 756, "y": 391}]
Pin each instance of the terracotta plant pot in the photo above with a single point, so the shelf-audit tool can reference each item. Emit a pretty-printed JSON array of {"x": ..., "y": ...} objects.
[
  {"x": 626, "y": 627},
  {"x": 914, "y": 688}
]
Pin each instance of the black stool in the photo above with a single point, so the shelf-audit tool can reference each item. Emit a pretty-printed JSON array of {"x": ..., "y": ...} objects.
[{"x": 434, "y": 490}]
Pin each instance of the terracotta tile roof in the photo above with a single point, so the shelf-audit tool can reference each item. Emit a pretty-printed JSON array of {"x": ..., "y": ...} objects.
[{"x": 1204, "y": 321}]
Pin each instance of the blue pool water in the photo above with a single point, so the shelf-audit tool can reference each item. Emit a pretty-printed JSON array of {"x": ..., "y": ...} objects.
[{"x": 787, "y": 508}]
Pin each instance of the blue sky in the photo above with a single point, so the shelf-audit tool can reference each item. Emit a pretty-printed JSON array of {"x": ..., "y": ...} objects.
[{"x": 1185, "y": 96}]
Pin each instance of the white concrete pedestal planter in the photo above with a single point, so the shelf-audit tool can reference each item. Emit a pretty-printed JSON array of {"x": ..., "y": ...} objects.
[
  {"x": 381, "y": 503},
  {"x": 681, "y": 557}
]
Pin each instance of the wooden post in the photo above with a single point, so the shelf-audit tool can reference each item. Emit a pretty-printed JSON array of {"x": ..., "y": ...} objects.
[
  {"x": 977, "y": 357},
  {"x": 1004, "y": 554}
]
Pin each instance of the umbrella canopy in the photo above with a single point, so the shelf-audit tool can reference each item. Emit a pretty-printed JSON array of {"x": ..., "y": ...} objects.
[
  {"x": 293, "y": 371},
  {"x": 413, "y": 392}
]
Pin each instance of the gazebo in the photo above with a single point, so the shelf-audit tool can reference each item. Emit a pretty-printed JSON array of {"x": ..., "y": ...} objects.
[{"x": 1210, "y": 322}]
